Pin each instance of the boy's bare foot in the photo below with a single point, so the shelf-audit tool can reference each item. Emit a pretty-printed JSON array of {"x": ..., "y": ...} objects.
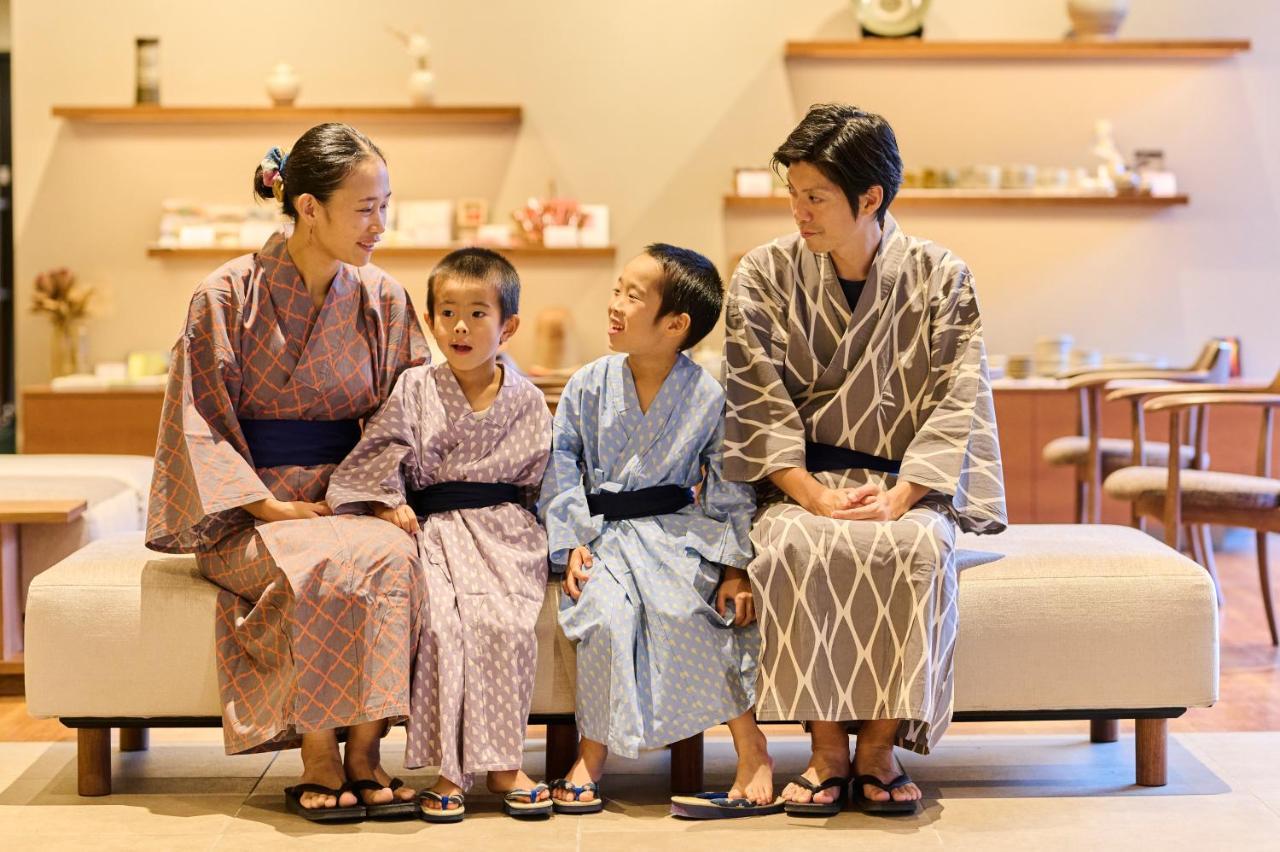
[
  {"x": 824, "y": 764},
  {"x": 588, "y": 768},
  {"x": 442, "y": 787},
  {"x": 512, "y": 779},
  {"x": 754, "y": 778}
]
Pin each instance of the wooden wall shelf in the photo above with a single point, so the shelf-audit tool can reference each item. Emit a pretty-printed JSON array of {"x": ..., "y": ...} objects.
[
  {"x": 516, "y": 253},
  {"x": 494, "y": 115},
  {"x": 913, "y": 49},
  {"x": 950, "y": 198}
]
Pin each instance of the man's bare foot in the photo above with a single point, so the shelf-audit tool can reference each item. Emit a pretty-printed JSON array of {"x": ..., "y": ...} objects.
[
  {"x": 513, "y": 779},
  {"x": 823, "y": 764},
  {"x": 754, "y": 778},
  {"x": 442, "y": 787},
  {"x": 879, "y": 760},
  {"x": 321, "y": 765},
  {"x": 588, "y": 768}
]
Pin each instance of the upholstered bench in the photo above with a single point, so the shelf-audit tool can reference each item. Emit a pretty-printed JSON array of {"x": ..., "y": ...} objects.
[{"x": 1056, "y": 622}]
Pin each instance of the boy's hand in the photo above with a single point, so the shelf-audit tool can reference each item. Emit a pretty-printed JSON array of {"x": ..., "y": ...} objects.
[
  {"x": 575, "y": 575},
  {"x": 736, "y": 587},
  {"x": 402, "y": 516}
]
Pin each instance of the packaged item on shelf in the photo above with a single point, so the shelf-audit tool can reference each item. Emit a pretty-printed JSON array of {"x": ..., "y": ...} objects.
[
  {"x": 424, "y": 223},
  {"x": 753, "y": 182}
]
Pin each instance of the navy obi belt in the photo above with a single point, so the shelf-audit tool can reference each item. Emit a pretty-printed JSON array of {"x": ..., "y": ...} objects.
[
  {"x": 300, "y": 443},
  {"x": 641, "y": 503},
  {"x": 823, "y": 457},
  {"x": 448, "y": 496}
]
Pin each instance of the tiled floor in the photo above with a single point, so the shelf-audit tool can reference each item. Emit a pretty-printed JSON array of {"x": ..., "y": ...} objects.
[{"x": 983, "y": 792}]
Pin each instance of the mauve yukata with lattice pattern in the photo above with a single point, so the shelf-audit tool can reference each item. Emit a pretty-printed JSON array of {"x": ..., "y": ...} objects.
[
  {"x": 486, "y": 568},
  {"x": 858, "y": 618},
  {"x": 656, "y": 662},
  {"x": 317, "y": 618}
]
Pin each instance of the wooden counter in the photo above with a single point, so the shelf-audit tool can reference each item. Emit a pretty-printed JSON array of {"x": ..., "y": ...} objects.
[
  {"x": 90, "y": 421},
  {"x": 1028, "y": 415}
]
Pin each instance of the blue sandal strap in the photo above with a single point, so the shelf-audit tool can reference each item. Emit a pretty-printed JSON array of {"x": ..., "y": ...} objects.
[{"x": 531, "y": 794}]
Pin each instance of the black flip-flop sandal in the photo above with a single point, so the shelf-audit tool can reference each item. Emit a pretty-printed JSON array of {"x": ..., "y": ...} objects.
[
  {"x": 396, "y": 809},
  {"x": 720, "y": 806},
  {"x": 293, "y": 803},
  {"x": 890, "y": 807},
  {"x": 575, "y": 807},
  {"x": 445, "y": 813},
  {"x": 524, "y": 804},
  {"x": 819, "y": 809}
]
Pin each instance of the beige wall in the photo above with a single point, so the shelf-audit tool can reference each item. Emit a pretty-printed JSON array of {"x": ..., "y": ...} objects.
[{"x": 648, "y": 107}]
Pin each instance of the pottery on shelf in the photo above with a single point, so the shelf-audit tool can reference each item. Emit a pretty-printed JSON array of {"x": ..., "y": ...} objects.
[
  {"x": 1096, "y": 19},
  {"x": 892, "y": 18},
  {"x": 283, "y": 84}
]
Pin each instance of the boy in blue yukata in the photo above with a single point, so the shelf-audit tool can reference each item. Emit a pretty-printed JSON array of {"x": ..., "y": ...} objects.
[{"x": 653, "y": 543}]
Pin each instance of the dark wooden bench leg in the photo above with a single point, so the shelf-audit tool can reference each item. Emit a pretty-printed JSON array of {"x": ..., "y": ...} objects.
[
  {"x": 1104, "y": 730},
  {"x": 1151, "y": 744},
  {"x": 562, "y": 749},
  {"x": 135, "y": 739},
  {"x": 686, "y": 766},
  {"x": 93, "y": 761}
]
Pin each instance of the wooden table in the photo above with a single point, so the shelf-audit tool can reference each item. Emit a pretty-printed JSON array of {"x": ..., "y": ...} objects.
[{"x": 14, "y": 513}]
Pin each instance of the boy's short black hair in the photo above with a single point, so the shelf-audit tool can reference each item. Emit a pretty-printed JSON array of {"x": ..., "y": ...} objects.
[
  {"x": 690, "y": 285},
  {"x": 482, "y": 264},
  {"x": 853, "y": 149}
]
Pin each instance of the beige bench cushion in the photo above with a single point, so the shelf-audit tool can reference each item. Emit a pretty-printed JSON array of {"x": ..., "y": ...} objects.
[
  {"x": 1072, "y": 617},
  {"x": 118, "y": 630},
  {"x": 1208, "y": 489},
  {"x": 1051, "y": 618}
]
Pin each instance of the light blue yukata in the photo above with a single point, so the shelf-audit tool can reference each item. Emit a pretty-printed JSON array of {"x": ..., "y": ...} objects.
[{"x": 656, "y": 662}]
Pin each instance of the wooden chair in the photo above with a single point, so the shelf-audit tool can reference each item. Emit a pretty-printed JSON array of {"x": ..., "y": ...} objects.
[
  {"x": 1203, "y": 497},
  {"x": 1094, "y": 457}
]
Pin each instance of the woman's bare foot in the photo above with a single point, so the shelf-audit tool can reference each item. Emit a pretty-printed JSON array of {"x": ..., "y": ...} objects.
[
  {"x": 830, "y": 759},
  {"x": 362, "y": 759},
  {"x": 442, "y": 787},
  {"x": 322, "y": 765},
  {"x": 754, "y": 778},
  {"x": 588, "y": 768},
  {"x": 512, "y": 779}
]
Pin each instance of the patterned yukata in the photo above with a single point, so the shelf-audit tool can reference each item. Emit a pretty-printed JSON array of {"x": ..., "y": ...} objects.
[
  {"x": 486, "y": 568},
  {"x": 656, "y": 662},
  {"x": 316, "y": 619},
  {"x": 858, "y": 618}
]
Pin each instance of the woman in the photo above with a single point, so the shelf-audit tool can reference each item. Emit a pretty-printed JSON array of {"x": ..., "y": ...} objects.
[
  {"x": 858, "y": 401},
  {"x": 284, "y": 351}
]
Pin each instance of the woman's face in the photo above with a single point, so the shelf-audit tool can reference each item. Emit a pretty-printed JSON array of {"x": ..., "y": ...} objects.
[
  {"x": 820, "y": 208},
  {"x": 349, "y": 225}
]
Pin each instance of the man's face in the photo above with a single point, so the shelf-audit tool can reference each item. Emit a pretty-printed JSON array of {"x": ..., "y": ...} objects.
[{"x": 820, "y": 209}]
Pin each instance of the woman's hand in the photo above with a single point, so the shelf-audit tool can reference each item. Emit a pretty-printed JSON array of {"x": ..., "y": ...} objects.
[
  {"x": 402, "y": 516},
  {"x": 575, "y": 575},
  {"x": 736, "y": 586},
  {"x": 270, "y": 509}
]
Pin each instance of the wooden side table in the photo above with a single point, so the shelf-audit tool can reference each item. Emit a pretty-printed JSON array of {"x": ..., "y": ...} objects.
[{"x": 14, "y": 513}]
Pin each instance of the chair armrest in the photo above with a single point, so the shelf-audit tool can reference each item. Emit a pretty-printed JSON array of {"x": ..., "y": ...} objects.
[
  {"x": 1140, "y": 391},
  {"x": 1093, "y": 379},
  {"x": 1178, "y": 401}
]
